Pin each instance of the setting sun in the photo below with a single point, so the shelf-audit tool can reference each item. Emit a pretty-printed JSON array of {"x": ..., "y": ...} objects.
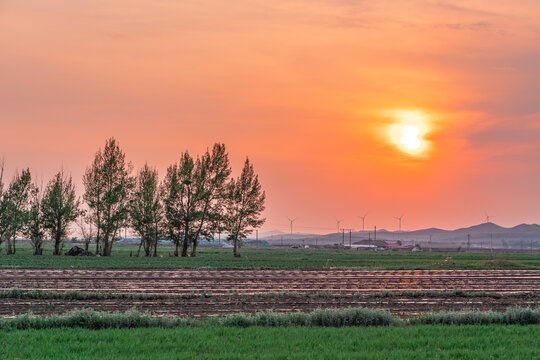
[
  {"x": 409, "y": 137},
  {"x": 408, "y": 130}
]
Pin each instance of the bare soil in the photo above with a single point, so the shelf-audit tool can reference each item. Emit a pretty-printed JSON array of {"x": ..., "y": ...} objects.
[
  {"x": 218, "y": 292},
  {"x": 189, "y": 281}
]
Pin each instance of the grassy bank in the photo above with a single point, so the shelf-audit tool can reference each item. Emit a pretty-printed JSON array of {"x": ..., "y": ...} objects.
[
  {"x": 419, "y": 342},
  {"x": 276, "y": 259}
]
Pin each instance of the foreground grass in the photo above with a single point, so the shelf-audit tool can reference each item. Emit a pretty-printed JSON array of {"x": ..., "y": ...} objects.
[
  {"x": 276, "y": 259},
  {"x": 417, "y": 342}
]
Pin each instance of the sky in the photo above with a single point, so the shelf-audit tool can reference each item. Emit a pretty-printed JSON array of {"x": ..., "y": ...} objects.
[{"x": 315, "y": 92}]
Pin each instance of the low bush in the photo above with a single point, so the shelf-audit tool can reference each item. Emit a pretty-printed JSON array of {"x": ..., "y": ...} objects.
[
  {"x": 90, "y": 319},
  {"x": 451, "y": 293},
  {"x": 515, "y": 316}
]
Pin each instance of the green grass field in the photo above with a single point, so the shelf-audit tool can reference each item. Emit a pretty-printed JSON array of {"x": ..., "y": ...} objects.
[
  {"x": 415, "y": 342},
  {"x": 276, "y": 259}
]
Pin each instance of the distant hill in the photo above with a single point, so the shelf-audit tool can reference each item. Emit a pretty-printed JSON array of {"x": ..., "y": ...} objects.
[
  {"x": 481, "y": 235},
  {"x": 270, "y": 233},
  {"x": 482, "y": 228}
]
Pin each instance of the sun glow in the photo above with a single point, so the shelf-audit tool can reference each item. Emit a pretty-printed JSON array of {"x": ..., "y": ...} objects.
[
  {"x": 409, "y": 137},
  {"x": 408, "y": 131}
]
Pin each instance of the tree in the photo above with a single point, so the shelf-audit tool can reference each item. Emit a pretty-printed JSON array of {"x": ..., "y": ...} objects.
[
  {"x": 35, "y": 230},
  {"x": 3, "y": 205},
  {"x": 193, "y": 195},
  {"x": 245, "y": 204},
  {"x": 146, "y": 210},
  {"x": 211, "y": 180},
  {"x": 14, "y": 208},
  {"x": 179, "y": 198},
  {"x": 60, "y": 207},
  {"x": 170, "y": 193},
  {"x": 93, "y": 195},
  {"x": 108, "y": 185}
]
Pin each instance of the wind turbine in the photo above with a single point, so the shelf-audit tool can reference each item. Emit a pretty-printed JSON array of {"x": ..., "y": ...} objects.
[
  {"x": 399, "y": 219},
  {"x": 291, "y": 221},
  {"x": 488, "y": 217},
  {"x": 338, "y": 222},
  {"x": 363, "y": 221}
]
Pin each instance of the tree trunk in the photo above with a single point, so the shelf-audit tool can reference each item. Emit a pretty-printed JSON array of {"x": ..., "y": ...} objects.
[
  {"x": 147, "y": 246},
  {"x": 98, "y": 240},
  {"x": 176, "y": 249},
  {"x": 140, "y": 245},
  {"x": 105, "y": 246},
  {"x": 235, "y": 248},
  {"x": 108, "y": 248},
  {"x": 9, "y": 250},
  {"x": 155, "y": 247},
  {"x": 57, "y": 246},
  {"x": 194, "y": 248},
  {"x": 185, "y": 244}
]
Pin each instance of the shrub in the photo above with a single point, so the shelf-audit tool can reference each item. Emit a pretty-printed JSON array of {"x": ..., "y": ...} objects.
[
  {"x": 90, "y": 319},
  {"x": 516, "y": 316}
]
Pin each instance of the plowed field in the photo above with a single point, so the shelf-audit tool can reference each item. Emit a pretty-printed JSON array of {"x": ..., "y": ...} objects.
[
  {"x": 215, "y": 292},
  {"x": 189, "y": 281}
]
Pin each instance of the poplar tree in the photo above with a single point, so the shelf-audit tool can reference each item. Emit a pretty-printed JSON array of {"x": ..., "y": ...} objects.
[
  {"x": 244, "y": 206},
  {"x": 3, "y": 206},
  {"x": 14, "y": 208},
  {"x": 170, "y": 192},
  {"x": 108, "y": 186},
  {"x": 180, "y": 201},
  {"x": 194, "y": 192},
  {"x": 35, "y": 229},
  {"x": 60, "y": 207},
  {"x": 211, "y": 180},
  {"x": 146, "y": 210}
]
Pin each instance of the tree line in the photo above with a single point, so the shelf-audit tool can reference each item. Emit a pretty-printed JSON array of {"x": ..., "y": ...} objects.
[{"x": 196, "y": 199}]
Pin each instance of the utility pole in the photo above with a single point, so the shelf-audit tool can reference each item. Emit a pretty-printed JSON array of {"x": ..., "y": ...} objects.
[
  {"x": 375, "y": 234},
  {"x": 343, "y": 232}
]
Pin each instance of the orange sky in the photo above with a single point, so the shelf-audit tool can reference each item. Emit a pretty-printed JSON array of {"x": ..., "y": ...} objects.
[{"x": 306, "y": 88}]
